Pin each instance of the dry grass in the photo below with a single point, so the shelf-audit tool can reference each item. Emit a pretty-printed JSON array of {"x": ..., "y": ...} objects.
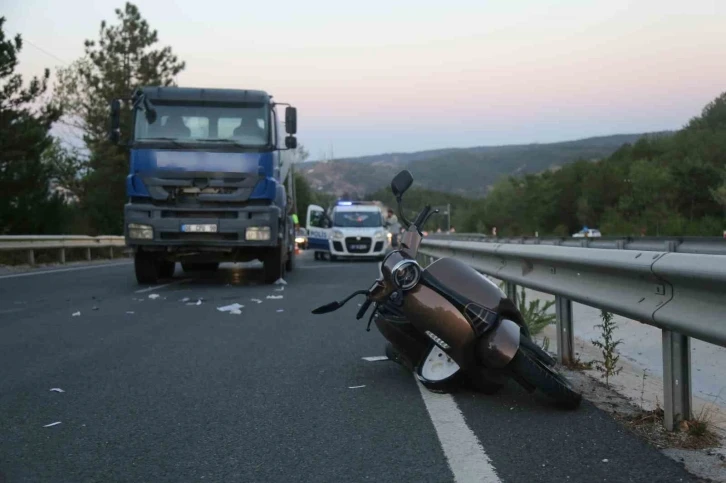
[{"x": 695, "y": 433}]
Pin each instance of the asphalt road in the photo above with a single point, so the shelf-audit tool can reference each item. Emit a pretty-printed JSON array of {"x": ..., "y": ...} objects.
[{"x": 157, "y": 390}]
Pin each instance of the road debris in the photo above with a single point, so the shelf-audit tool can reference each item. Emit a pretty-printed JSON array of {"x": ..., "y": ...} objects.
[
  {"x": 605, "y": 460},
  {"x": 130, "y": 312},
  {"x": 274, "y": 297},
  {"x": 356, "y": 387},
  {"x": 232, "y": 309},
  {"x": 375, "y": 358},
  {"x": 185, "y": 299},
  {"x": 154, "y": 296},
  {"x": 198, "y": 302},
  {"x": 56, "y": 389},
  {"x": 256, "y": 300},
  {"x": 280, "y": 310},
  {"x": 280, "y": 281},
  {"x": 94, "y": 308},
  {"x": 52, "y": 424},
  {"x": 77, "y": 314}
]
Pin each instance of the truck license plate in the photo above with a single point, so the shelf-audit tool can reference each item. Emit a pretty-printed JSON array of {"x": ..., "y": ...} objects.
[{"x": 211, "y": 228}]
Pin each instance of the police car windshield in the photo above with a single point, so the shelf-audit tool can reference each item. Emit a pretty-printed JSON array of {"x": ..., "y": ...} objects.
[{"x": 357, "y": 219}]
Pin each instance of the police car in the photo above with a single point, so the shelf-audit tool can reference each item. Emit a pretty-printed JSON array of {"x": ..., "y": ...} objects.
[{"x": 351, "y": 229}]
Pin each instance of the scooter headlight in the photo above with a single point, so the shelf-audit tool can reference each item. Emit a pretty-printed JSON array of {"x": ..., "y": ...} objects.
[{"x": 406, "y": 274}]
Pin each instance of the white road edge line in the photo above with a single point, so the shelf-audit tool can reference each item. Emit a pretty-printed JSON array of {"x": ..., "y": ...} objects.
[
  {"x": 61, "y": 270},
  {"x": 156, "y": 287},
  {"x": 464, "y": 453}
]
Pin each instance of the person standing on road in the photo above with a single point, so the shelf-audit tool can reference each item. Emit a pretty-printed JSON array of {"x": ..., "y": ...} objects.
[{"x": 393, "y": 227}]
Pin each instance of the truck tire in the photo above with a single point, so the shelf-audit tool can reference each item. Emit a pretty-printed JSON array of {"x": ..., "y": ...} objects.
[
  {"x": 147, "y": 267},
  {"x": 274, "y": 269},
  {"x": 166, "y": 269}
]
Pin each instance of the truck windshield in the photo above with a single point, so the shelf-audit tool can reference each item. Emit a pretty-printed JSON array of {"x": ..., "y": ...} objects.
[
  {"x": 246, "y": 125},
  {"x": 357, "y": 219}
]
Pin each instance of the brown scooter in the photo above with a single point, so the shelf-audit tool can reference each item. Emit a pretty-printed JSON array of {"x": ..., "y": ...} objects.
[{"x": 449, "y": 324}]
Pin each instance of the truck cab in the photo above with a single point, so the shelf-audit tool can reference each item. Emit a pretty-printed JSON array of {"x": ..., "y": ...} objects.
[
  {"x": 350, "y": 229},
  {"x": 206, "y": 182}
]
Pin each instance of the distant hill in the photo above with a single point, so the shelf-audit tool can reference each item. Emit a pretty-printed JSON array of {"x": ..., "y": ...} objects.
[{"x": 464, "y": 171}]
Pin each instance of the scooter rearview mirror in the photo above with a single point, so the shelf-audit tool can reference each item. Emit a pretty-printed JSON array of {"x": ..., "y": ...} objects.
[{"x": 324, "y": 309}]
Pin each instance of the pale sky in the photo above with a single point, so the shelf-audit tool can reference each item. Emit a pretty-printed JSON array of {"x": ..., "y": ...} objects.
[{"x": 380, "y": 76}]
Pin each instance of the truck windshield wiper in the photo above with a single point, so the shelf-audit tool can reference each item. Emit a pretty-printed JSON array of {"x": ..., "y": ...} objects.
[
  {"x": 231, "y": 141},
  {"x": 174, "y": 141}
]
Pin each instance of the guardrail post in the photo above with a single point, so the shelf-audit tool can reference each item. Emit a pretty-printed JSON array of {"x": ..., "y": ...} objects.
[
  {"x": 31, "y": 257},
  {"x": 110, "y": 252},
  {"x": 565, "y": 336},
  {"x": 88, "y": 254},
  {"x": 676, "y": 378},
  {"x": 62, "y": 255},
  {"x": 511, "y": 290}
]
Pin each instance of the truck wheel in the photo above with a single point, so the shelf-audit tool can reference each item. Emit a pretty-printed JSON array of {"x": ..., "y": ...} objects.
[
  {"x": 273, "y": 266},
  {"x": 166, "y": 269},
  {"x": 147, "y": 267},
  {"x": 290, "y": 264}
]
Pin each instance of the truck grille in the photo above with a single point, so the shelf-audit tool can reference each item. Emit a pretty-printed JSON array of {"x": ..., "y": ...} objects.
[
  {"x": 198, "y": 214},
  {"x": 358, "y": 244}
]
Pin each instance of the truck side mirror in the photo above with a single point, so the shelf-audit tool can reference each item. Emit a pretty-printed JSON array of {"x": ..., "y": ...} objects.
[
  {"x": 291, "y": 142},
  {"x": 291, "y": 120},
  {"x": 114, "y": 134}
]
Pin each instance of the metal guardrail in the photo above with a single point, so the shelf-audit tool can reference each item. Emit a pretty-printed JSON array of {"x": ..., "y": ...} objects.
[
  {"x": 31, "y": 243},
  {"x": 687, "y": 244},
  {"x": 684, "y": 294}
]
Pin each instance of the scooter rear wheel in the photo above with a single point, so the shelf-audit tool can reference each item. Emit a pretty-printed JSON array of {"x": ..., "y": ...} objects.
[{"x": 535, "y": 372}]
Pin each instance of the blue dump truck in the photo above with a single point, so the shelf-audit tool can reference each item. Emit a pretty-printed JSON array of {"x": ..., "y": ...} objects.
[{"x": 206, "y": 182}]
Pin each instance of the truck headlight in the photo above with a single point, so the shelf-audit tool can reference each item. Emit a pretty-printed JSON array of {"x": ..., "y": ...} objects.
[
  {"x": 338, "y": 235},
  {"x": 257, "y": 233},
  {"x": 141, "y": 232}
]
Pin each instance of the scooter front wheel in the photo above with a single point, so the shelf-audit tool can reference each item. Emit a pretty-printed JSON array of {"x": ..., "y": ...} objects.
[{"x": 535, "y": 372}]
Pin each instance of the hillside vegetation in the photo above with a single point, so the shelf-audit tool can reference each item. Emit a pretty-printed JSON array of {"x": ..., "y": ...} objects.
[
  {"x": 469, "y": 171},
  {"x": 659, "y": 185}
]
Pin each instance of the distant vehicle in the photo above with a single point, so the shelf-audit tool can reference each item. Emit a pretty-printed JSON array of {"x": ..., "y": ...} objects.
[
  {"x": 301, "y": 238},
  {"x": 589, "y": 233},
  {"x": 351, "y": 229}
]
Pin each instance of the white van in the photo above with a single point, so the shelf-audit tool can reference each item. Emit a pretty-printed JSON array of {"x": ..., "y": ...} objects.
[{"x": 351, "y": 229}]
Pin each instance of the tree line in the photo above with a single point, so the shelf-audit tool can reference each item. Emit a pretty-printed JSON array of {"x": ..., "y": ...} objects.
[{"x": 672, "y": 184}]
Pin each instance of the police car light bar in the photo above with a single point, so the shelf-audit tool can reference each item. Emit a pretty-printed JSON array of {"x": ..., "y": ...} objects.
[{"x": 351, "y": 203}]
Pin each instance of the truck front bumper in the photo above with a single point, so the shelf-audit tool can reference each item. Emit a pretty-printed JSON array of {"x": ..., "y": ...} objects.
[{"x": 232, "y": 224}]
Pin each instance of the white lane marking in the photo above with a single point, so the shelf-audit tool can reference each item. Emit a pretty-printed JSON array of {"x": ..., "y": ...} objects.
[
  {"x": 61, "y": 270},
  {"x": 375, "y": 358},
  {"x": 149, "y": 289},
  {"x": 464, "y": 452}
]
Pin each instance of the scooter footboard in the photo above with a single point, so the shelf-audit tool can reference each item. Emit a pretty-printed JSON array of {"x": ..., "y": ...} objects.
[{"x": 499, "y": 346}]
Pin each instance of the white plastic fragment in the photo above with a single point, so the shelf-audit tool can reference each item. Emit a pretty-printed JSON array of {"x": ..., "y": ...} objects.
[
  {"x": 235, "y": 312},
  {"x": 154, "y": 296},
  {"x": 56, "y": 389},
  {"x": 77, "y": 314},
  {"x": 375, "y": 358},
  {"x": 280, "y": 281},
  {"x": 52, "y": 424},
  {"x": 279, "y": 289},
  {"x": 274, "y": 297},
  {"x": 234, "y": 308},
  {"x": 185, "y": 299},
  {"x": 130, "y": 312},
  {"x": 280, "y": 310},
  {"x": 256, "y": 300},
  {"x": 605, "y": 460},
  {"x": 198, "y": 302},
  {"x": 356, "y": 387}
]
